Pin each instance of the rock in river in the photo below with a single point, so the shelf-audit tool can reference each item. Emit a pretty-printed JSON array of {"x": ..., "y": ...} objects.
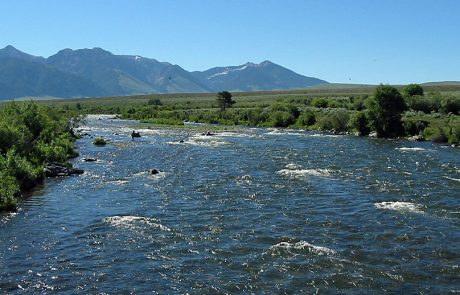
[{"x": 58, "y": 169}]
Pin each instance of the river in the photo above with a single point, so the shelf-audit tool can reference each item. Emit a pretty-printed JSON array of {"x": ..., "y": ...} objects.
[{"x": 251, "y": 210}]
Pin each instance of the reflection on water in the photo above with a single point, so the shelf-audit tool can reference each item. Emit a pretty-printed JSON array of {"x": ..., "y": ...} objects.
[{"x": 247, "y": 211}]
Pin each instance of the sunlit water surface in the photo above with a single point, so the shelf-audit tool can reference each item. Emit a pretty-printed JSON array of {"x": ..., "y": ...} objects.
[{"x": 248, "y": 211}]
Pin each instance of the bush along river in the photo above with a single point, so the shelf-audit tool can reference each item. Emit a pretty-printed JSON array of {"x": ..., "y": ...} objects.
[{"x": 239, "y": 212}]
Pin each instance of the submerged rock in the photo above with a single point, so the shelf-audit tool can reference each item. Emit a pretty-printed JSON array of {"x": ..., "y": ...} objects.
[
  {"x": 89, "y": 159},
  {"x": 58, "y": 170}
]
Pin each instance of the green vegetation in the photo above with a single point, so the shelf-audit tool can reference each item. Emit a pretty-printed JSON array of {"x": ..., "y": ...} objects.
[
  {"x": 413, "y": 90},
  {"x": 99, "y": 142},
  {"x": 224, "y": 100},
  {"x": 385, "y": 111},
  {"x": 31, "y": 135},
  {"x": 422, "y": 111}
]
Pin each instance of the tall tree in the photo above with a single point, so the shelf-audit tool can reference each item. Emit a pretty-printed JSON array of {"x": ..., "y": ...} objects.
[
  {"x": 385, "y": 111},
  {"x": 224, "y": 100}
]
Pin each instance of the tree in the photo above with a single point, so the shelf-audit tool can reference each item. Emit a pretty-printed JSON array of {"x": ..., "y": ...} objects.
[
  {"x": 154, "y": 102},
  {"x": 224, "y": 100},
  {"x": 385, "y": 110},
  {"x": 360, "y": 123},
  {"x": 412, "y": 90}
]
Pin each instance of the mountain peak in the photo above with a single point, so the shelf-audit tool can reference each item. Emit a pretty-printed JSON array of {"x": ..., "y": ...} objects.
[
  {"x": 266, "y": 63},
  {"x": 96, "y": 51},
  {"x": 10, "y": 48},
  {"x": 11, "y": 52}
]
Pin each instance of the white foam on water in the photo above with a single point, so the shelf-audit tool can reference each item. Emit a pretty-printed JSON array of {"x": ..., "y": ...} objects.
[
  {"x": 9, "y": 216},
  {"x": 160, "y": 174},
  {"x": 453, "y": 179},
  {"x": 132, "y": 222},
  {"x": 97, "y": 117},
  {"x": 411, "y": 149},
  {"x": 302, "y": 246},
  {"x": 234, "y": 134},
  {"x": 152, "y": 131},
  {"x": 305, "y": 172},
  {"x": 324, "y": 135},
  {"x": 399, "y": 206},
  {"x": 118, "y": 182},
  {"x": 207, "y": 143},
  {"x": 292, "y": 166},
  {"x": 282, "y": 132}
]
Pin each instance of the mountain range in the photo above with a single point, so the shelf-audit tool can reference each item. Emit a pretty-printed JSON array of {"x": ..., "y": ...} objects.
[{"x": 97, "y": 72}]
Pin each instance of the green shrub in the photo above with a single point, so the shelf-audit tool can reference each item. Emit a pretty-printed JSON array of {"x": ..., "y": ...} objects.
[
  {"x": 288, "y": 108},
  {"x": 31, "y": 135},
  {"x": 450, "y": 104},
  {"x": 281, "y": 119},
  {"x": 154, "y": 102},
  {"x": 26, "y": 174},
  {"x": 335, "y": 121},
  {"x": 306, "y": 118},
  {"x": 415, "y": 127},
  {"x": 454, "y": 134},
  {"x": 8, "y": 190},
  {"x": 99, "y": 142},
  {"x": 257, "y": 117},
  {"x": 360, "y": 123},
  {"x": 421, "y": 104},
  {"x": 319, "y": 102},
  {"x": 412, "y": 90}
]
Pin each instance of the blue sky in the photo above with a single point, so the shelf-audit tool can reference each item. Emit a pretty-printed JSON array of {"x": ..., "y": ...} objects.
[{"x": 345, "y": 41}]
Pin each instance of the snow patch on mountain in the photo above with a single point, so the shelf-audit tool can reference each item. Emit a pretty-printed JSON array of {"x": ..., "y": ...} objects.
[{"x": 228, "y": 71}]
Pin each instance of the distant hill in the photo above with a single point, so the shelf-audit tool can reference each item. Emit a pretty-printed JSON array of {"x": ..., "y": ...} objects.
[
  {"x": 20, "y": 78},
  {"x": 97, "y": 72}
]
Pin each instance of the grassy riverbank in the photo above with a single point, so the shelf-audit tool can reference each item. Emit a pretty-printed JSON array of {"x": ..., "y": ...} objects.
[
  {"x": 431, "y": 114},
  {"x": 30, "y": 136}
]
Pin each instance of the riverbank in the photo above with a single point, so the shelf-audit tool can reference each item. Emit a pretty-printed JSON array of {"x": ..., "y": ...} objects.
[
  {"x": 31, "y": 135},
  {"x": 432, "y": 115}
]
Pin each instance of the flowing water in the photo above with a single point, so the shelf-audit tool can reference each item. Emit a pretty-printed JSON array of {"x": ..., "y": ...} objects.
[{"x": 259, "y": 211}]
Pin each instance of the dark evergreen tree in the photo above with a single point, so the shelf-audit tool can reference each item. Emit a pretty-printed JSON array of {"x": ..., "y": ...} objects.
[{"x": 224, "y": 100}]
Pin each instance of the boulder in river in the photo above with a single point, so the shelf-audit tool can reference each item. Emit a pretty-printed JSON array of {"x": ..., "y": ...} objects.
[
  {"x": 135, "y": 134},
  {"x": 416, "y": 138},
  {"x": 58, "y": 170},
  {"x": 89, "y": 159}
]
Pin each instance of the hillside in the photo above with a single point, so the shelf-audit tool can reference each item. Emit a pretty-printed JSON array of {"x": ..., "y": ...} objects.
[{"x": 97, "y": 72}]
